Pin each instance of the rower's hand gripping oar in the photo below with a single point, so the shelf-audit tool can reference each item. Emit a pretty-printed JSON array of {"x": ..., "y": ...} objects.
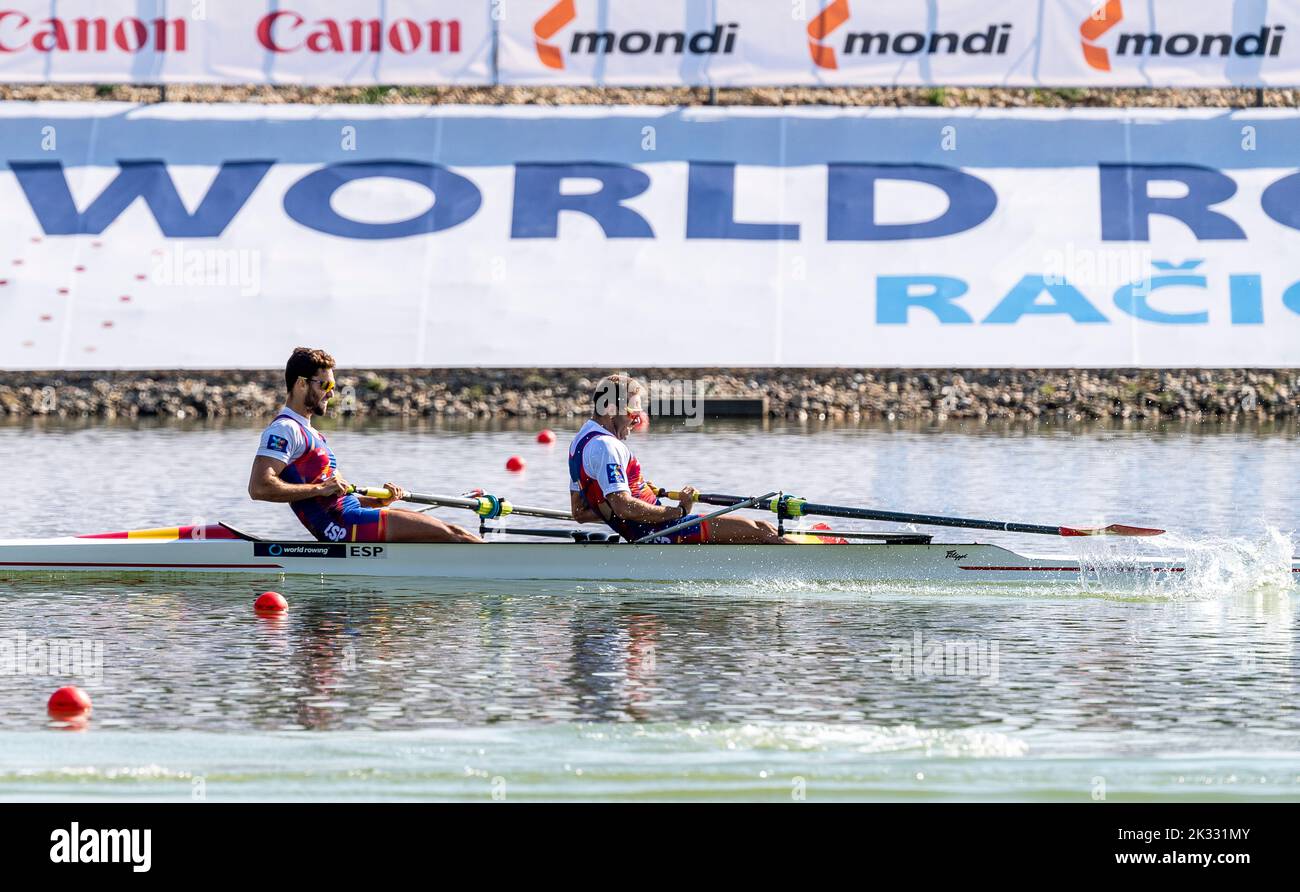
[
  {"x": 485, "y": 506},
  {"x": 789, "y": 506}
]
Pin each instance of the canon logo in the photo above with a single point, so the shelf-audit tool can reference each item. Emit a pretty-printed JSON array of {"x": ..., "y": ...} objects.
[
  {"x": 19, "y": 32},
  {"x": 286, "y": 31}
]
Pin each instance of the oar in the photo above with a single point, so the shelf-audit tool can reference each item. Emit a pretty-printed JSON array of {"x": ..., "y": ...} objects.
[
  {"x": 687, "y": 524},
  {"x": 799, "y": 507},
  {"x": 484, "y": 506}
]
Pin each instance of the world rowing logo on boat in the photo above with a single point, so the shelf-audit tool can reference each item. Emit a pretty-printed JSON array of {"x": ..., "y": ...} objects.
[{"x": 299, "y": 550}]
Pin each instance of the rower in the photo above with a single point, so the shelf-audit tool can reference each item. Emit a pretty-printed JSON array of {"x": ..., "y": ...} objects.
[
  {"x": 605, "y": 482},
  {"x": 294, "y": 464}
]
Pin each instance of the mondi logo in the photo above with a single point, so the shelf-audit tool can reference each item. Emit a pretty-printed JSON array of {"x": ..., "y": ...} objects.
[
  {"x": 720, "y": 40},
  {"x": 1102, "y": 19},
  {"x": 1267, "y": 41},
  {"x": 819, "y": 29},
  {"x": 547, "y": 27},
  {"x": 991, "y": 41}
]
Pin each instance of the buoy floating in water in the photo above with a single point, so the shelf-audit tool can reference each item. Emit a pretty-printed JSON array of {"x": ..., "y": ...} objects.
[
  {"x": 514, "y": 463},
  {"x": 69, "y": 702},
  {"x": 546, "y": 437},
  {"x": 270, "y": 603}
]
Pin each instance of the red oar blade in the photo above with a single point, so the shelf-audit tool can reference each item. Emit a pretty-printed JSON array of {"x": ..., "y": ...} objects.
[{"x": 1115, "y": 529}]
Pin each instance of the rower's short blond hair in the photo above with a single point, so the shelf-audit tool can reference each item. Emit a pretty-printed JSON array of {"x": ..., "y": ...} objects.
[{"x": 613, "y": 394}]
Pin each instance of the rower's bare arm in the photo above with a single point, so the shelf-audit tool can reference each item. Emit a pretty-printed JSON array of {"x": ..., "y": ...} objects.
[
  {"x": 630, "y": 508},
  {"x": 265, "y": 485},
  {"x": 581, "y": 512}
]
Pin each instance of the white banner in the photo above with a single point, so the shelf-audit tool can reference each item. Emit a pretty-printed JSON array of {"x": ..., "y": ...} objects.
[
  {"x": 1096, "y": 43},
  {"x": 245, "y": 42},
  {"x": 1085, "y": 43},
  {"x": 182, "y": 235}
]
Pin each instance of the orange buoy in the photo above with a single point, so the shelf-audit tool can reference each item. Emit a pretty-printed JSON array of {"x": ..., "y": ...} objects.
[
  {"x": 270, "y": 603},
  {"x": 514, "y": 463},
  {"x": 68, "y": 702},
  {"x": 546, "y": 437}
]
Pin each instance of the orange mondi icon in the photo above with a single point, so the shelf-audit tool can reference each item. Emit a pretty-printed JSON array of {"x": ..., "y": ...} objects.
[
  {"x": 826, "y": 21},
  {"x": 1098, "y": 22},
  {"x": 547, "y": 27}
]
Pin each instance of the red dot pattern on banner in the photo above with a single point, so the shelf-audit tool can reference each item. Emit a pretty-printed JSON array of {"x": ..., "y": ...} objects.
[{"x": 66, "y": 291}]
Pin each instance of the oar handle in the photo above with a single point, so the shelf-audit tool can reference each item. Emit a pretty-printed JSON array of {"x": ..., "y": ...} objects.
[{"x": 373, "y": 492}]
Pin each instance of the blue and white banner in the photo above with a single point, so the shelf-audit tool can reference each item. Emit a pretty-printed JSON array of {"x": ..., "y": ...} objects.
[{"x": 222, "y": 236}]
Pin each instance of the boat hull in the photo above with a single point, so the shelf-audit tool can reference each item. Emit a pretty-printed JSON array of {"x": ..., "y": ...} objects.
[{"x": 941, "y": 563}]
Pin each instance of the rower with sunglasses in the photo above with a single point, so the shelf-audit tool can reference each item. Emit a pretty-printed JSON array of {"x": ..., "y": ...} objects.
[
  {"x": 605, "y": 481},
  {"x": 294, "y": 464}
]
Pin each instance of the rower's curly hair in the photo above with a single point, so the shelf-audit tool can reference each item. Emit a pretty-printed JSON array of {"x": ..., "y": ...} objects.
[{"x": 305, "y": 363}]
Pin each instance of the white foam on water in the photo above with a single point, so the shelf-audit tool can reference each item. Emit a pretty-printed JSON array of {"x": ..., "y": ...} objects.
[
  {"x": 1213, "y": 567},
  {"x": 825, "y": 737}
]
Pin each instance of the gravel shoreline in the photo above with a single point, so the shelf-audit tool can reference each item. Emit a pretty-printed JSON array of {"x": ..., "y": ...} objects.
[
  {"x": 943, "y": 97},
  {"x": 800, "y": 394}
]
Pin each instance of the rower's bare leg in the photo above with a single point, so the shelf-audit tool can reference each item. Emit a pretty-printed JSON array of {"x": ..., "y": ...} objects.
[
  {"x": 744, "y": 531},
  {"x": 411, "y": 526}
]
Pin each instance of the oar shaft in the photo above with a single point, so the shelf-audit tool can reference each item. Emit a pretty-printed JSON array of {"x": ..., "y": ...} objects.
[
  {"x": 927, "y": 519},
  {"x": 892, "y": 516},
  {"x": 695, "y": 521}
]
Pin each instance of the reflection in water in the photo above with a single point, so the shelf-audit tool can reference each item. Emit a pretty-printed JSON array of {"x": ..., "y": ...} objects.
[{"x": 1172, "y": 674}]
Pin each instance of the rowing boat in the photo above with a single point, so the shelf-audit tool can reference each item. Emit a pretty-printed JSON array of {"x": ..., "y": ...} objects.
[{"x": 886, "y": 559}]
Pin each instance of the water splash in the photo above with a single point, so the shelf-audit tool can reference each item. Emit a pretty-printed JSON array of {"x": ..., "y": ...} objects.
[{"x": 1212, "y": 567}]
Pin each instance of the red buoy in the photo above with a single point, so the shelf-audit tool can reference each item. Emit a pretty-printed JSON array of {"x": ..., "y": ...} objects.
[
  {"x": 546, "y": 437},
  {"x": 68, "y": 702},
  {"x": 270, "y": 603},
  {"x": 514, "y": 463}
]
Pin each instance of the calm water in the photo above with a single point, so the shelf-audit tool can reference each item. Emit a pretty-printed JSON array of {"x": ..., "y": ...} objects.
[{"x": 374, "y": 690}]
